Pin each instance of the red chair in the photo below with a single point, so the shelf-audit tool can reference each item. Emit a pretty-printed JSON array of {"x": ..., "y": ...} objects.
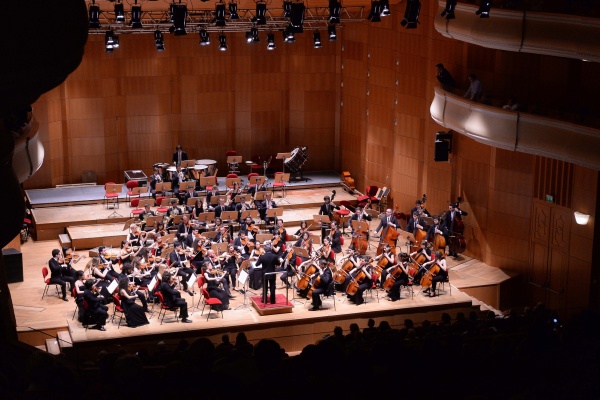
[
  {"x": 212, "y": 304},
  {"x": 74, "y": 293},
  {"x": 231, "y": 176},
  {"x": 137, "y": 211},
  {"x": 117, "y": 308},
  {"x": 111, "y": 196},
  {"x": 164, "y": 204},
  {"x": 250, "y": 175},
  {"x": 164, "y": 308},
  {"x": 45, "y": 273},
  {"x": 130, "y": 186},
  {"x": 344, "y": 214}
]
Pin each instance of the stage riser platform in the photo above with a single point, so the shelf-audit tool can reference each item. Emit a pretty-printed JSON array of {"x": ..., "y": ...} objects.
[{"x": 293, "y": 335}]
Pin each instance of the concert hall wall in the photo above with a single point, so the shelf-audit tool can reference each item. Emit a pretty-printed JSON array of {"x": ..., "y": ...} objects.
[
  {"x": 388, "y": 76},
  {"x": 129, "y": 109}
]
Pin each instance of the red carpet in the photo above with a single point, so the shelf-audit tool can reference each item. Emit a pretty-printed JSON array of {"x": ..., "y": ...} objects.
[{"x": 279, "y": 302}]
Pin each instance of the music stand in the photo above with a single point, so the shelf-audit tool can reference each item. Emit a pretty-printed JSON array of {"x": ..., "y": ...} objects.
[
  {"x": 283, "y": 156},
  {"x": 301, "y": 252},
  {"x": 257, "y": 180},
  {"x": 260, "y": 196},
  {"x": 219, "y": 248},
  {"x": 153, "y": 220},
  {"x": 410, "y": 239},
  {"x": 215, "y": 199},
  {"x": 241, "y": 198},
  {"x": 274, "y": 212},
  {"x": 229, "y": 216},
  {"x": 206, "y": 217},
  {"x": 209, "y": 234},
  {"x": 323, "y": 221},
  {"x": 128, "y": 223},
  {"x": 163, "y": 187},
  {"x": 250, "y": 213},
  {"x": 229, "y": 182},
  {"x": 208, "y": 181},
  {"x": 192, "y": 201},
  {"x": 114, "y": 188},
  {"x": 138, "y": 191},
  {"x": 284, "y": 179},
  {"x": 143, "y": 202},
  {"x": 263, "y": 237},
  {"x": 177, "y": 219},
  {"x": 244, "y": 279},
  {"x": 233, "y": 162},
  {"x": 184, "y": 186}
]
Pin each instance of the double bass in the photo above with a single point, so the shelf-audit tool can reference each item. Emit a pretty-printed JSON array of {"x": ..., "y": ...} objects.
[{"x": 458, "y": 243}]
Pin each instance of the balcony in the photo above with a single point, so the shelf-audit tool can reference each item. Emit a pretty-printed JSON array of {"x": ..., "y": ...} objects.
[
  {"x": 517, "y": 131},
  {"x": 519, "y": 31}
]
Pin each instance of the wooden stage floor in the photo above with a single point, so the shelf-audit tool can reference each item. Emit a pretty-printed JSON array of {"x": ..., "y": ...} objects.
[{"x": 294, "y": 330}]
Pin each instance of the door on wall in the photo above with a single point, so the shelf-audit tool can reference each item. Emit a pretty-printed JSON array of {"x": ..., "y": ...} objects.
[{"x": 550, "y": 233}]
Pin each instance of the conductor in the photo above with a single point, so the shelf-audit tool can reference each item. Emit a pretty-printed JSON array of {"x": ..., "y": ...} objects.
[
  {"x": 179, "y": 156},
  {"x": 269, "y": 261}
]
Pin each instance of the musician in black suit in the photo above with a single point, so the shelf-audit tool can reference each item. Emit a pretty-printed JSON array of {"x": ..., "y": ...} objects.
[
  {"x": 220, "y": 208},
  {"x": 269, "y": 262},
  {"x": 389, "y": 219},
  {"x": 214, "y": 192},
  {"x": 335, "y": 238},
  {"x": 57, "y": 274},
  {"x": 145, "y": 214},
  {"x": 451, "y": 217},
  {"x": 179, "y": 156},
  {"x": 419, "y": 209},
  {"x": 326, "y": 277},
  {"x": 327, "y": 209},
  {"x": 265, "y": 205},
  {"x": 172, "y": 296},
  {"x": 437, "y": 228},
  {"x": 184, "y": 229},
  {"x": 415, "y": 223},
  {"x": 97, "y": 310},
  {"x": 177, "y": 258},
  {"x": 154, "y": 179},
  {"x": 359, "y": 215}
]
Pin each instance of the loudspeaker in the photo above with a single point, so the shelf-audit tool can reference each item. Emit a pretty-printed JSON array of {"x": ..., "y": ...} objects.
[
  {"x": 13, "y": 265},
  {"x": 441, "y": 150}
]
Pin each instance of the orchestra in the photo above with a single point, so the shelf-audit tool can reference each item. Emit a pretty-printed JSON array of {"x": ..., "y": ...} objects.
[{"x": 142, "y": 256}]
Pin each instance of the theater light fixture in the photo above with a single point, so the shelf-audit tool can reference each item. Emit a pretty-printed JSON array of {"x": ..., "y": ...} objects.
[
  {"x": 111, "y": 41},
  {"x": 317, "y": 40},
  {"x": 252, "y": 35},
  {"x": 385, "y": 8},
  {"x": 335, "y": 8},
  {"x": 94, "y": 16},
  {"x": 179, "y": 19},
  {"x": 233, "y": 7},
  {"x": 159, "y": 40},
  {"x": 261, "y": 13},
  {"x": 136, "y": 17},
  {"x": 449, "y": 10},
  {"x": 204, "y": 37},
  {"x": 581, "y": 218},
  {"x": 331, "y": 31},
  {"x": 297, "y": 17},
  {"x": 119, "y": 13},
  {"x": 411, "y": 15},
  {"x": 219, "y": 14},
  {"x": 270, "y": 41},
  {"x": 287, "y": 9},
  {"x": 375, "y": 13},
  {"x": 222, "y": 42},
  {"x": 288, "y": 35},
  {"x": 484, "y": 9}
]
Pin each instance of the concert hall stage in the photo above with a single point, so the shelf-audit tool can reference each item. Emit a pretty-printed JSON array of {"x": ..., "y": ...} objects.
[{"x": 292, "y": 330}]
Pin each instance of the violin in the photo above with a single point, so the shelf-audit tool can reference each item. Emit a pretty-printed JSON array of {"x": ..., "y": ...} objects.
[
  {"x": 253, "y": 228},
  {"x": 276, "y": 241}
]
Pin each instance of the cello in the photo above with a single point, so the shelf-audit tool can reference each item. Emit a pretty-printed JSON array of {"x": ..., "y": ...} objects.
[
  {"x": 304, "y": 280},
  {"x": 427, "y": 278},
  {"x": 340, "y": 275}
]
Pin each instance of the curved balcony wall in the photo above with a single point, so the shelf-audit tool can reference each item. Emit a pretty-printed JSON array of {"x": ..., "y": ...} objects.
[
  {"x": 516, "y": 131},
  {"x": 529, "y": 32}
]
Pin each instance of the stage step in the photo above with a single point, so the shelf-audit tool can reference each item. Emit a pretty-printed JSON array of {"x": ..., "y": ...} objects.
[
  {"x": 64, "y": 239},
  {"x": 52, "y": 346},
  {"x": 65, "y": 341}
]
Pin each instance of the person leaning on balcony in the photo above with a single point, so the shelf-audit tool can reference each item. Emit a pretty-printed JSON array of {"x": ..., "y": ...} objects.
[
  {"x": 444, "y": 77},
  {"x": 475, "y": 92}
]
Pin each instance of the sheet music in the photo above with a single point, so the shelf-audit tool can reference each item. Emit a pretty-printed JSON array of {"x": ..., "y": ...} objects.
[
  {"x": 243, "y": 277},
  {"x": 113, "y": 285}
]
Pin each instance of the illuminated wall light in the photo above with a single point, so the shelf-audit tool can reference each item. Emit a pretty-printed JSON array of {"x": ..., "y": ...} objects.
[
  {"x": 270, "y": 41},
  {"x": 204, "y": 37},
  {"x": 222, "y": 42},
  {"x": 317, "y": 40},
  {"x": 159, "y": 41},
  {"x": 581, "y": 218},
  {"x": 385, "y": 8},
  {"x": 111, "y": 41},
  {"x": 331, "y": 32}
]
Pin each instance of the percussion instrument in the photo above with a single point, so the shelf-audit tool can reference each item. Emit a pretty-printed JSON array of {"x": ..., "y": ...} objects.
[
  {"x": 200, "y": 167},
  {"x": 296, "y": 160},
  {"x": 211, "y": 166}
]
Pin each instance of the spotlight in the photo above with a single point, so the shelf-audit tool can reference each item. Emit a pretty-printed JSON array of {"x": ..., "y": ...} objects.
[
  {"x": 261, "y": 13},
  {"x": 219, "y": 14},
  {"x": 111, "y": 41},
  {"x": 385, "y": 8},
  {"x": 449, "y": 10},
  {"x": 204, "y": 37},
  {"x": 136, "y": 17},
  {"x": 254, "y": 32},
  {"x": 179, "y": 19},
  {"x": 270, "y": 41},
  {"x": 331, "y": 31},
  {"x": 94, "y": 16},
  {"x": 159, "y": 40},
  {"x": 287, "y": 9},
  {"x": 288, "y": 35},
  {"x": 119, "y": 13},
  {"x": 375, "y": 13},
  {"x": 484, "y": 9},
  {"x": 411, "y": 15},
  {"x": 297, "y": 17},
  {"x": 222, "y": 42},
  {"x": 233, "y": 11},
  {"x": 317, "y": 40},
  {"x": 335, "y": 8}
]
